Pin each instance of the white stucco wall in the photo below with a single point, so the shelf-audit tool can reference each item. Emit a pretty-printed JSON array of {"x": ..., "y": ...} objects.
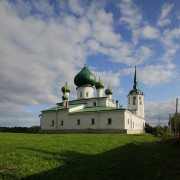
[
  {"x": 64, "y": 120},
  {"x": 100, "y": 120},
  {"x": 134, "y": 123},
  {"x": 100, "y": 92},
  {"x": 85, "y": 92},
  {"x": 138, "y": 108},
  {"x": 101, "y": 102},
  {"x": 56, "y": 116}
]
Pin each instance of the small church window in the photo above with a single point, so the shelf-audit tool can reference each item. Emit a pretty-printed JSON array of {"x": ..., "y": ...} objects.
[
  {"x": 78, "y": 122},
  {"x": 80, "y": 94},
  {"x": 129, "y": 100},
  {"x": 87, "y": 94},
  {"x": 128, "y": 121},
  {"x": 62, "y": 123},
  {"x": 109, "y": 121},
  {"x": 92, "y": 121},
  {"x": 94, "y": 103},
  {"x": 140, "y": 100},
  {"x": 52, "y": 123},
  {"x": 134, "y": 100}
]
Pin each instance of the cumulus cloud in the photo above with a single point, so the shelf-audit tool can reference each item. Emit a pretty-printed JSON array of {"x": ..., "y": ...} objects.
[
  {"x": 76, "y": 7},
  {"x": 146, "y": 32},
  {"x": 42, "y": 46},
  {"x": 164, "y": 19},
  {"x": 171, "y": 43},
  {"x": 157, "y": 74},
  {"x": 130, "y": 14},
  {"x": 13, "y": 114},
  {"x": 159, "y": 111}
]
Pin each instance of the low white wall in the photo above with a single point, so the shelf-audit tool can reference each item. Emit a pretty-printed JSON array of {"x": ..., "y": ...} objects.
[{"x": 134, "y": 122}]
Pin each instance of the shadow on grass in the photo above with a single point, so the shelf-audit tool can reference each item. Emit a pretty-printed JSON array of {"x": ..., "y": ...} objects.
[{"x": 132, "y": 161}]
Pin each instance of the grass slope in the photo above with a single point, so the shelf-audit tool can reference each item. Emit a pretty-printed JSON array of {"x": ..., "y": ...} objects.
[{"x": 87, "y": 156}]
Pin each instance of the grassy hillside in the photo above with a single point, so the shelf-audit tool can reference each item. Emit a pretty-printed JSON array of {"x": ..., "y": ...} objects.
[{"x": 87, "y": 156}]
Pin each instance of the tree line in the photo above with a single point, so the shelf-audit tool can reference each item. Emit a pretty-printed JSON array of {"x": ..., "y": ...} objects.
[{"x": 33, "y": 129}]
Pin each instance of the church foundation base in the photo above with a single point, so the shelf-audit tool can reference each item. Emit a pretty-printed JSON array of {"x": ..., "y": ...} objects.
[{"x": 95, "y": 131}]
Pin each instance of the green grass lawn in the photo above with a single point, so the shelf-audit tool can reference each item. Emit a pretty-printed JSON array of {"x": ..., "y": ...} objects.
[{"x": 87, "y": 156}]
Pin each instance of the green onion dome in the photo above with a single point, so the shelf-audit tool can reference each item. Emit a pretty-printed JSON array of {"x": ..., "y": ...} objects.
[
  {"x": 99, "y": 84},
  {"x": 108, "y": 91},
  {"x": 85, "y": 78},
  {"x": 66, "y": 88},
  {"x": 65, "y": 97}
]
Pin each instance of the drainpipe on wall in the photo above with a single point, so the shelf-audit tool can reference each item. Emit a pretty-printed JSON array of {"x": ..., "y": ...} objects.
[
  {"x": 56, "y": 119},
  {"x": 117, "y": 104},
  {"x": 98, "y": 119}
]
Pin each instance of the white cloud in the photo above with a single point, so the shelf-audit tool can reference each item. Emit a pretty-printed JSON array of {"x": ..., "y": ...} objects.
[
  {"x": 146, "y": 32},
  {"x": 163, "y": 19},
  {"x": 131, "y": 15},
  {"x": 156, "y": 74},
  {"x": 102, "y": 27},
  {"x": 40, "y": 50},
  {"x": 76, "y": 7},
  {"x": 14, "y": 115},
  {"x": 108, "y": 77},
  {"x": 159, "y": 111},
  {"x": 142, "y": 54},
  {"x": 171, "y": 43}
]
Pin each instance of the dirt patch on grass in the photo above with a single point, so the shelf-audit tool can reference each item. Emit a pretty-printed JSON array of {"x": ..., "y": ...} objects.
[{"x": 8, "y": 168}]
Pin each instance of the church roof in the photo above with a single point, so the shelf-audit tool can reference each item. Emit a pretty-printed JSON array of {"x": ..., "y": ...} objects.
[
  {"x": 108, "y": 91},
  {"x": 85, "y": 78},
  {"x": 65, "y": 96},
  {"x": 60, "y": 108},
  {"x": 99, "y": 84},
  {"x": 87, "y": 109},
  {"x": 97, "y": 108},
  {"x": 66, "y": 88},
  {"x": 135, "y": 89}
]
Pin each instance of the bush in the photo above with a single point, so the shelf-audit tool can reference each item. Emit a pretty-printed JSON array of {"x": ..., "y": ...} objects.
[{"x": 162, "y": 131}]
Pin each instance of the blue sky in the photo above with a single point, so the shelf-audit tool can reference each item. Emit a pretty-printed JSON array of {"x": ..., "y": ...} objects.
[{"x": 43, "y": 44}]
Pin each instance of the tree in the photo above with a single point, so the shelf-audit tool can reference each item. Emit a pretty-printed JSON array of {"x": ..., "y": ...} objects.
[{"x": 174, "y": 122}]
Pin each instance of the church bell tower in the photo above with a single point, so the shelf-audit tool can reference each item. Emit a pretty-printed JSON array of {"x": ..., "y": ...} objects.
[{"x": 136, "y": 98}]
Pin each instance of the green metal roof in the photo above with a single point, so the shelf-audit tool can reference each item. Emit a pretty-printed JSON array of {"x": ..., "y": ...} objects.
[
  {"x": 65, "y": 96},
  {"x": 61, "y": 107},
  {"x": 84, "y": 101},
  {"x": 99, "y": 84},
  {"x": 96, "y": 108},
  {"x": 85, "y": 77},
  {"x": 66, "y": 88},
  {"x": 108, "y": 91}
]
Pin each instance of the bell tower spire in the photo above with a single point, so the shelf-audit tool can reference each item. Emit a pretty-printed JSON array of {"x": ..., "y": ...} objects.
[
  {"x": 135, "y": 86},
  {"x": 136, "y": 98}
]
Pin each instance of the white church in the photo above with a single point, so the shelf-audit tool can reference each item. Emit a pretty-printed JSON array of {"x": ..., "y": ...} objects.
[{"x": 95, "y": 114}]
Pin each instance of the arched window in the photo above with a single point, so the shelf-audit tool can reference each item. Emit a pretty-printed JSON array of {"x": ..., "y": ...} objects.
[
  {"x": 134, "y": 100},
  {"x": 140, "y": 100},
  {"x": 78, "y": 122},
  {"x": 87, "y": 94},
  {"x": 80, "y": 94},
  {"x": 129, "y": 100},
  {"x": 52, "y": 123}
]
